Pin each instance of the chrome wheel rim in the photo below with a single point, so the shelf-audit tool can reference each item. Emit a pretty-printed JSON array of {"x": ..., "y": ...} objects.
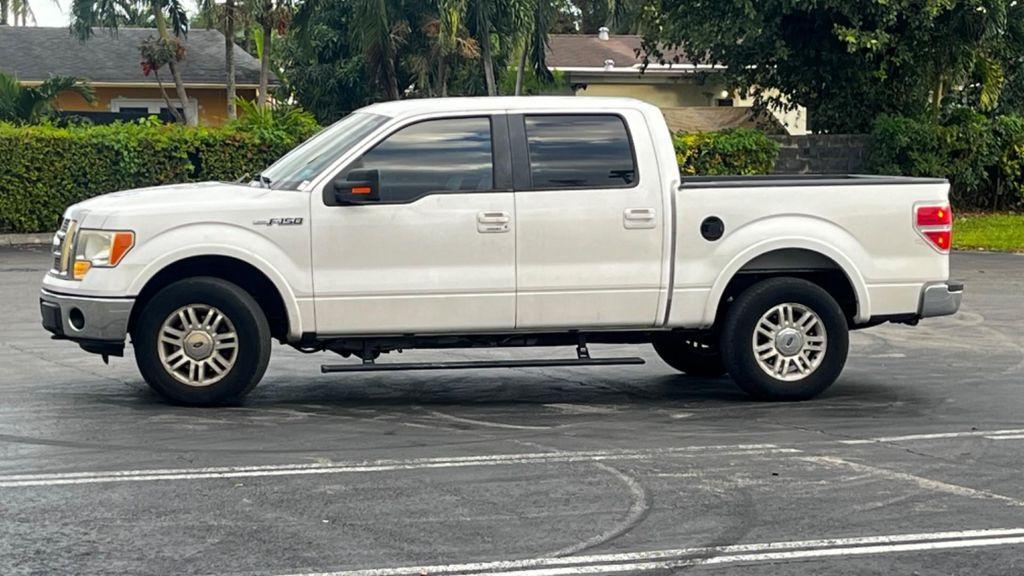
[
  {"x": 789, "y": 342},
  {"x": 198, "y": 345}
]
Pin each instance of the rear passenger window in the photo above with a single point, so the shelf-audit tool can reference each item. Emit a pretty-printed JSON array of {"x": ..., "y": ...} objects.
[{"x": 580, "y": 151}]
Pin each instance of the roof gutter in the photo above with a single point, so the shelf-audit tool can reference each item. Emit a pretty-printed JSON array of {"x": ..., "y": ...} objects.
[
  {"x": 639, "y": 68},
  {"x": 196, "y": 85}
]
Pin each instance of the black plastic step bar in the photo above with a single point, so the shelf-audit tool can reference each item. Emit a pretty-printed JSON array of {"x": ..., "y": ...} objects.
[
  {"x": 475, "y": 364},
  {"x": 582, "y": 359}
]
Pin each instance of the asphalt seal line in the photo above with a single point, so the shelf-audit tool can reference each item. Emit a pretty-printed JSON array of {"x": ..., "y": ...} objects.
[
  {"x": 68, "y": 478},
  {"x": 487, "y": 424},
  {"x": 639, "y": 507},
  {"x": 920, "y": 481},
  {"x": 709, "y": 555}
]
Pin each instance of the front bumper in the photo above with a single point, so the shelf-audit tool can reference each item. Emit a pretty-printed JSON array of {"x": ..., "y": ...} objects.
[
  {"x": 940, "y": 299},
  {"x": 97, "y": 324}
]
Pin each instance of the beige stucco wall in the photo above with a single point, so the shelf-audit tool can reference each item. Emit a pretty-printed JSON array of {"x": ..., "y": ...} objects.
[
  {"x": 669, "y": 95},
  {"x": 212, "y": 101}
]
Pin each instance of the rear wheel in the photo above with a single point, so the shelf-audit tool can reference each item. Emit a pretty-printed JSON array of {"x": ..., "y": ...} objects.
[
  {"x": 694, "y": 355},
  {"x": 202, "y": 341},
  {"x": 785, "y": 339}
]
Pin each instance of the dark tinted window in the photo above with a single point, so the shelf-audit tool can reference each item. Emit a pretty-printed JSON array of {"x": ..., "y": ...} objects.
[
  {"x": 579, "y": 151},
  {"x": 449, "y": 155}
]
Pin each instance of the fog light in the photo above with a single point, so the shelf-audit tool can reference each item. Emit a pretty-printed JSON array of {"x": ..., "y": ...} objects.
[{"x": 76, "y": 319}]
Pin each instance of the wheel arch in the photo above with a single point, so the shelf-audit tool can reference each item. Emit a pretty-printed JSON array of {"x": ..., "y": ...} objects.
[
  {"x": 806, "y": 258},
  {"x": 273, "y": 297}
]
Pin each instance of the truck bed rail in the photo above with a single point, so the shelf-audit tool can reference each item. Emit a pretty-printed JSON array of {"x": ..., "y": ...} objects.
[{"x": 782, "y": 180}]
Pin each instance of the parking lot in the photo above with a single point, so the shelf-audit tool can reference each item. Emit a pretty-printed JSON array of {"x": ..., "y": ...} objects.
[{"x": 912, "y": 463}]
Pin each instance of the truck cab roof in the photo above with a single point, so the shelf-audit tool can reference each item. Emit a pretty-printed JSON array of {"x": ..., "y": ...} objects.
[{"x": 397, "y": 108}]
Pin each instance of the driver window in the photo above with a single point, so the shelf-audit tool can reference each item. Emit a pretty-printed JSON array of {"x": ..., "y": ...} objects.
[{"x": 435, "y": 156}]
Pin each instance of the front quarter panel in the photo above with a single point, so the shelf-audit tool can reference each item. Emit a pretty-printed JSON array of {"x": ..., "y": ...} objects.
[{"x": 244, "y": 231}]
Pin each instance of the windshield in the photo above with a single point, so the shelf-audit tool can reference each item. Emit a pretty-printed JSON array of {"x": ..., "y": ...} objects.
[{"x": 303, "y": 163}]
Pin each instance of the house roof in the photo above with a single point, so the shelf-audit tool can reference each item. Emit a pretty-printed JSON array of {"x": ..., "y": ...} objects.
[
  {"x": 588, "y": 52},
  {"x": 34, "y": 54}
]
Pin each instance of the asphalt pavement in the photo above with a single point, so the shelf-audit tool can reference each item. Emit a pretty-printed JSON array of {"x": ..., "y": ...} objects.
[{"x": 912, "y": 463}]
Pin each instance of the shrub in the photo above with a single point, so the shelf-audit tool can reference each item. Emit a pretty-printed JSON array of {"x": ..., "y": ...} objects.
[
  {"x": 734, "y": 151},
  {"x": 44, "y": 168},
  {"x": 982, "y": 157}
]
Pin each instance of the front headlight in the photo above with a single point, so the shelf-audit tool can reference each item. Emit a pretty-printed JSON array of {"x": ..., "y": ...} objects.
[{"x": 100, "y": 249}]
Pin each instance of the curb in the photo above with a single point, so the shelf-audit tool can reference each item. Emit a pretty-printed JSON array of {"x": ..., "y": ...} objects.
[{"x": 38, "y": 239}]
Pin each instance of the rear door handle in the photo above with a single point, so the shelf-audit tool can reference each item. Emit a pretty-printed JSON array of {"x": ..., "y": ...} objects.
[
  {"x": 634, "y": 218},
  {"x": 493, "y": 222}
]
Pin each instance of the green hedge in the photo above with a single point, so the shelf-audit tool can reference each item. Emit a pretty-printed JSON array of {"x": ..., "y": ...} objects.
[
  {"x": 982, "y": 157},
  {"x": 44, "y": 168},
  {"x": 735, "y": 151}
]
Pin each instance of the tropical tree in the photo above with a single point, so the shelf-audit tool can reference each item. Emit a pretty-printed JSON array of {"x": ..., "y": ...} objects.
[
  {"x": 270, "y": 16},
  {"x": 326, "y": 73},
  {"x": 376, "y": 30},
  {"x": 88, "y": 14},
  {"x": 847, "y": 61},
  {"x": 30, "y": 104},
  {"x": 500, "y": 20},
  {"x": 534, "y": 40},
  {"x": 229, "y": 18}
]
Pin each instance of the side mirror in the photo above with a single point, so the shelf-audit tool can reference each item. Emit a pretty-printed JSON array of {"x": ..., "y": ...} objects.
[{"x": 359, "y": 187}]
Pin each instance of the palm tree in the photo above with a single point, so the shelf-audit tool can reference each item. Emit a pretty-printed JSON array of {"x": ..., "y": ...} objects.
[
  {"x": 378, "y": 36},
  {"x": 226, "y": 17},
  {"x": 966, "y": 41},
  {"x": 87, "y": 14},
  {"x": 270, "y": 15},
  {"x": 505, "y": 20},
  {"x": 534, "y": 40},
  {"x": 30, "y": 104}
]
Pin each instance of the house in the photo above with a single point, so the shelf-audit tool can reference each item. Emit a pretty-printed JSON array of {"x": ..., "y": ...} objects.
[
  {"x": 693, "y": 96},
  {"x": 111, "y": 63}
]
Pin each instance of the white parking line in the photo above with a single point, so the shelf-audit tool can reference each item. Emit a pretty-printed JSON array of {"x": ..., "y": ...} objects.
[
  {"x": 937, "y": 436},
  {"x": 66, "y": 478},
  {"x": 920, "y": 481},
  {"x": 1008, "y": 437},
  {"x": 711, "y": 555}
]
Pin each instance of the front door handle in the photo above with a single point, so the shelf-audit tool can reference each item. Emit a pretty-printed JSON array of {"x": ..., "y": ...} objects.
[
  {"x": 634, "y": 218},
  {"x": 493, "y": 222}
]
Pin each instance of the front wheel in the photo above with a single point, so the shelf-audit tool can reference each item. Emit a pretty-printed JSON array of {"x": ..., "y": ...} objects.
[
  {"x": 202, "y": 342},
  {"x": 785, "y": 339}
]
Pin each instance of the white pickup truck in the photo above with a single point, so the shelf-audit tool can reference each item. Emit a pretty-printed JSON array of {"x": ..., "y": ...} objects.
[{"x": 456, "y": 223}]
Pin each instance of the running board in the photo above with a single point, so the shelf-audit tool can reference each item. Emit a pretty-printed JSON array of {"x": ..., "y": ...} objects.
[{"x": 476, "y": 364}]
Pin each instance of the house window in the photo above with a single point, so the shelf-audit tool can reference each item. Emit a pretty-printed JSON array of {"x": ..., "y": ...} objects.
[{"x": 149, "y": 105}]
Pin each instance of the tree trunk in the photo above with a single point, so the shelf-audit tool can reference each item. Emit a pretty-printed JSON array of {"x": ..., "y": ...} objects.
[
  {"x": 937, "y": 97},
  {"x": 179, "y": 85},
  {"x": 391, "y": 76},
  {"x": 265, "y": 65},
  {"x": 442, "y": 76},
  {"x": 485, "y": 45},
  {"x": 4, "y": 7},
  {"x": 229, "y": 55},
  {"x": 173, "y": 110},
  {"x": 520, "y": 70}
]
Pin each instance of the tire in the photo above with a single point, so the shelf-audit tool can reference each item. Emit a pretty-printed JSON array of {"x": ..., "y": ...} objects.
[
  {"x": 806, "y": 353},
  {"x": 692, "y": 355},
  {"x": 197, "y": 317}
]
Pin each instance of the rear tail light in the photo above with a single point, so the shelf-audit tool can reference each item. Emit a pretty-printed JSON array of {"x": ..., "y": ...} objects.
[{"x": 935, "y": 225}]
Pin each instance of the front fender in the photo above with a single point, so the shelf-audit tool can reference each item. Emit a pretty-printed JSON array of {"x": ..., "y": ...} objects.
[{"x": 290, "y": 277}]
